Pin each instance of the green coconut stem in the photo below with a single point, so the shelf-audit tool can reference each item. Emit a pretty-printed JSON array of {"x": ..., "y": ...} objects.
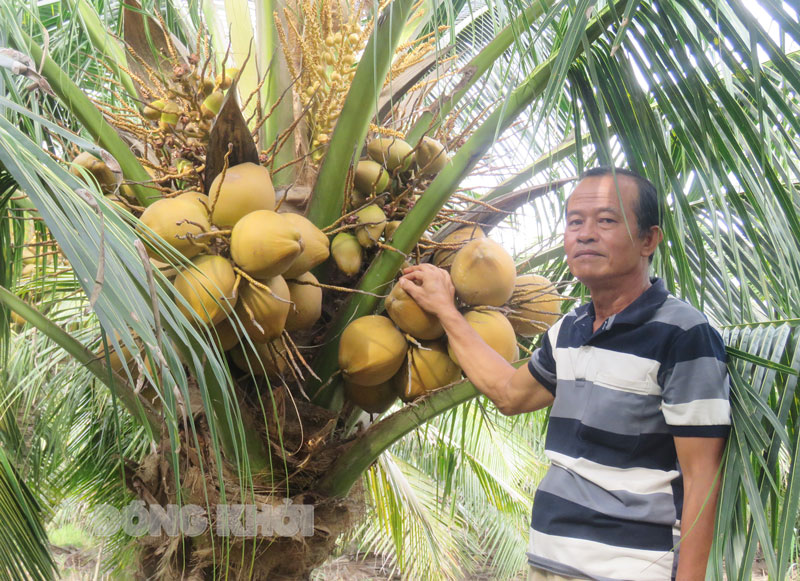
[
  {"x": 105, "y": 43},
  {"x": 366, "y": 448},
  {"x": 359, "y": 107},
  {"x": 91, "y": 118},
  {"x": 386, "y": 265},
  {"x": 118, "y": 386},
  {"x": 474, "y": 70}
]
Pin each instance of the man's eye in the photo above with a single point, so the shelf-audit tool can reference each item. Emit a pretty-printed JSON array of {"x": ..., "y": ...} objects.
[
  {"x": 607, "y": 220},
  {"x": 574, "y": 223}
]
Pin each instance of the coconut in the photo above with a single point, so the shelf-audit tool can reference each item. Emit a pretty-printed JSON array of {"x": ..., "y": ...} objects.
[
  {"x": 196, "y": 198},
  {"x": 391, "y": 226},
  {"x": 374, "y": 221},
  {"x": 391, "y": 152},
  {"x": 374, "y": 399},
  {"x": 371, "y": 350},
  {"x": 153, "y": 110},
  {"x": 176, "y": 221},
  {"x": 316, "y": 246},
  {"x": 265, "y": 244},
  {"x": 212, "y": 104},
  {"x": 496, "y": 330},
  {"x": 410, "y": 317},
  {"x": 483, "y": 273},
  {"x": 206, "y": 288},
  {"x": 263, "y": 312},
  {"x": 267, "y": 357},
  {"x": 444, "y": 257},
  {"x": 347, "y": 253},
  {"x": 247, "y": 188},
  {"x": 170, "y": 113},
  {"x": 425, "y": 369},
  {"x": 306, "y": 305},
  {"x": 431, "y": 156},
  {"x": 370, "y": 178},
  {"x": 97, "y": 168},
  {"x": 537, "y": 304},
  {"x": 227, "y": 333},
  {"x": 225, "y": 79}
]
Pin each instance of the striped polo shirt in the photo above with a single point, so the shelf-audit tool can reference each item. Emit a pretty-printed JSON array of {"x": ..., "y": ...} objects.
[{"x": 609, "y": 507}]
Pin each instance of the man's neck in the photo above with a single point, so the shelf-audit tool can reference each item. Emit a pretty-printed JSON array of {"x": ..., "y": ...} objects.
[{"x": 610, "y": 300}]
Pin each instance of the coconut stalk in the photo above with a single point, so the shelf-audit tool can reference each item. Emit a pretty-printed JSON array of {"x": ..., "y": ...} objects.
[
  {"x": 386, "y": 264},
  {"x": 276, "y": 88},
  {"x": 105, "y": 43},
  {"x": 432, "y": 117},
  {"x": 92, "y": 119},
  {"x": 137, "y": 407},
  {"x": 359, "y": 108},
  {"x": 366, "y": 448}
]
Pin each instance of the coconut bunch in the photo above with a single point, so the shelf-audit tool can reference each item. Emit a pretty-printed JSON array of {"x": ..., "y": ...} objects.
[
  {"x": 249, "y": 272},
  {"x": 382, "y": 193},
  {"x": 405, "y": 353}
]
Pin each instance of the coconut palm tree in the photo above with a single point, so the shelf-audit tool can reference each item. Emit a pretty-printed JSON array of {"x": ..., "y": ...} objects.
[{"x": 699, "y": 96}]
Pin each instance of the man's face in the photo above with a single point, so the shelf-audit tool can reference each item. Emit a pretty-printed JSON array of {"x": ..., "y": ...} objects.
[{"x": 602, "y": 239}]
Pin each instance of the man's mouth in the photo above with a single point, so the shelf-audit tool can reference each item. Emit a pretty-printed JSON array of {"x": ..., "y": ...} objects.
[{"x": 587, "y": 253}]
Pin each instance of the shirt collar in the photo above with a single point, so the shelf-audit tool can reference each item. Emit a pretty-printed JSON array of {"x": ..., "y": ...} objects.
[{"x": 636, "y": 313}]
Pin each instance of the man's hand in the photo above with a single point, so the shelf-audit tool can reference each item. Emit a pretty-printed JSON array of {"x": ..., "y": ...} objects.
[{"x": 430, "y": 287}]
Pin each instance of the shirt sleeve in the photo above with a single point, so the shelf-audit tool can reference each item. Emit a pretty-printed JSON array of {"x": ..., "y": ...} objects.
[
  {"x": 542, "y": 365},
  {"x": 695, "y": 384}
]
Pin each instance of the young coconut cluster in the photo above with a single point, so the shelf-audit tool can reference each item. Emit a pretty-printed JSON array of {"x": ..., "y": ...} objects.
[
  {"x": 406, "y": 354},
  {"x": 250, "y": 265},
  {"x": 378, "y": 185}
]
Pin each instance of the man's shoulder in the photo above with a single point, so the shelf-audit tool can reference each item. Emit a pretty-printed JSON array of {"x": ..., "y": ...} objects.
[{"x": 678, "y": 313}]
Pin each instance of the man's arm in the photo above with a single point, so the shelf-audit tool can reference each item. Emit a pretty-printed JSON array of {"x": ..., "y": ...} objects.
[
  {"x": 700, "y": 460},
  {"x": 512, "y": 390}
]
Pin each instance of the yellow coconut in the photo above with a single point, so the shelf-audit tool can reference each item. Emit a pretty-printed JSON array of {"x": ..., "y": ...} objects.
[
  {"x": 536, "y": 303},
  {"x": 496, "y": 330},
  {"x": 374, "y": 221},
  {"x": 227, "y": 333},
  {"x": 431, "y": 156},
  {"x": 374, "y": 399},
  {"x": 425, "y": 369},
  {"x": 265, "y": 244},
  {"x": 371, "y": 350},
  {"x": 391, "y": 152},
  {"x": 306, "y": 305},
  {"x": 97, "y": 168},
  {"x": 196, "y": 198},
  {"x": 206, "y": 288},
  {"x": 483, "y": 273},
  {"x": 370, "y": 178},
  {"x": 226, "y": 78},
  {"x": 444, "y": 258},
  {"x": 268, "y": 357},
  {"x": 247, "y": 187},
  {"x": 177, "y": 221},
  {"x": 410, "y": 317},
  {"x": 316, "y": 246},
  {"x": 391, "y": 226},
  {"x": 263, "y": 311},
  {"x": 347, "y": 253}
]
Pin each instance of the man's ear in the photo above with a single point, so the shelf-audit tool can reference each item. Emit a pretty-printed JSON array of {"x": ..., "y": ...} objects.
[{"x": 652, "y": 239}]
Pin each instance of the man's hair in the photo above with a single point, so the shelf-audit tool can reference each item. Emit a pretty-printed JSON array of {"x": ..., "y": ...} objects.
[{"x": 648, "y": 213}]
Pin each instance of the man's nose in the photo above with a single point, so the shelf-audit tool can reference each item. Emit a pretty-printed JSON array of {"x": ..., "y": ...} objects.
[{"x": 587, "y": 231}]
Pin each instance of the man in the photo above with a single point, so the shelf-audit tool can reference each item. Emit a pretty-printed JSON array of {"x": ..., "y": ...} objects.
[{"x": 639, "y": 390}]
